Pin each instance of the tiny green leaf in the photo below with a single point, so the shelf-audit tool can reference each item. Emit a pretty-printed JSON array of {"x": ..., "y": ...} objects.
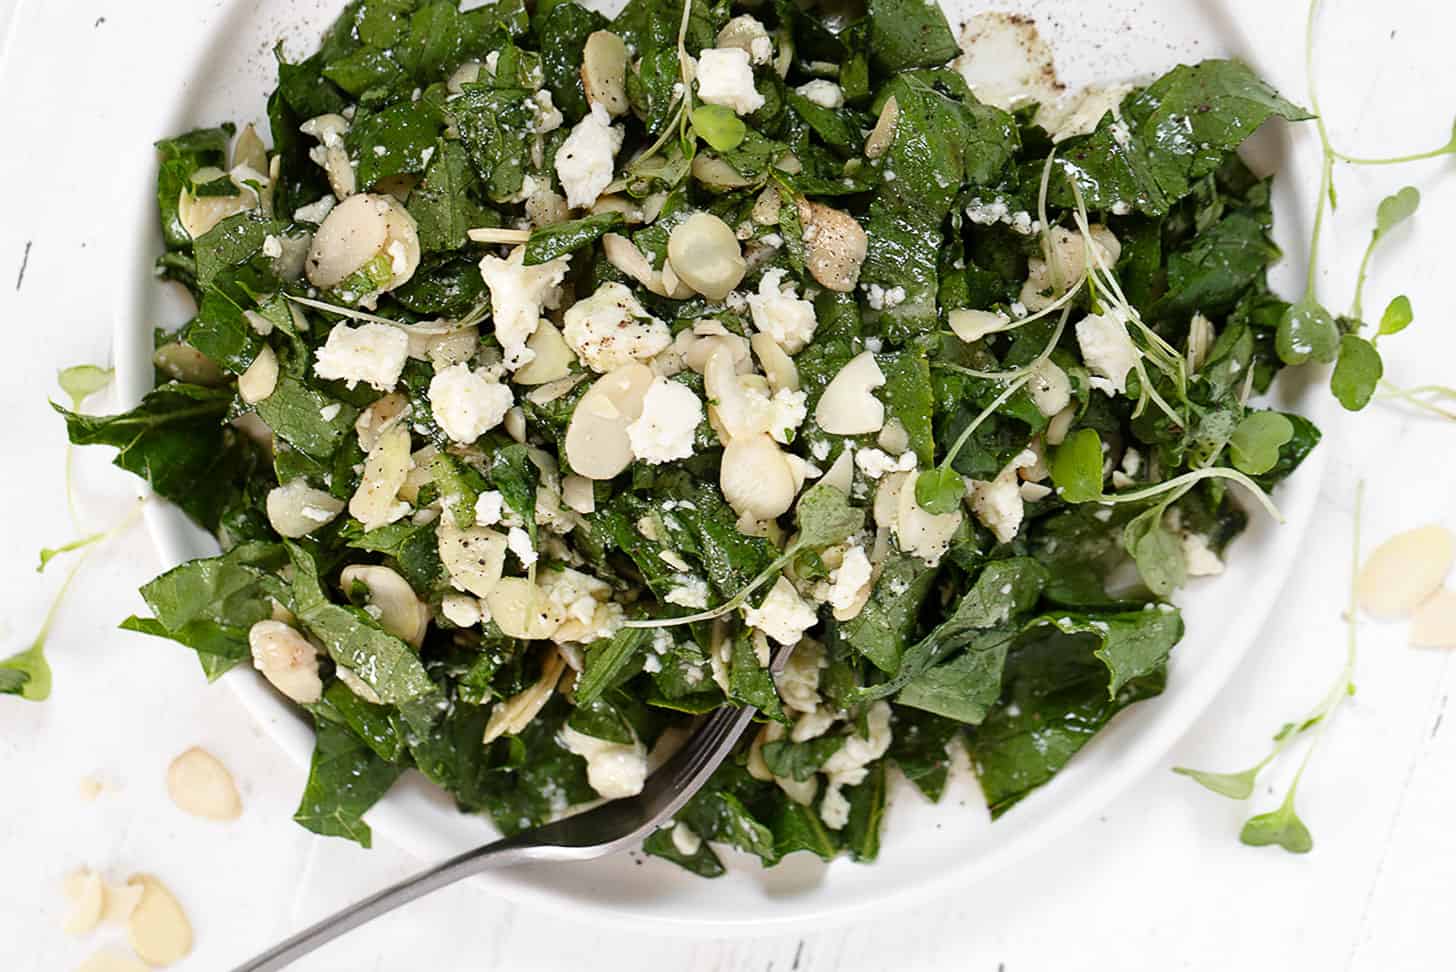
[
  {"x": 1357, "y": 372},
  {"x": 826, "y": 518},
  {"x": 719, "y": 127},
  {"x": 1397, "y": 317},
  {"x": 1281, "y": 826},
  {"x": 80, "y": 382},
  {"x": 1235, "y": 786},
  {"x": 940, "y": 490},
  {"x": 1077, "y": 467},
  {"x": 1254, "y": 446},
  {"x": 1307, "y": 331},
  {"x": 1396, "y": 209},
  {"x": 1156, "y": 551}
]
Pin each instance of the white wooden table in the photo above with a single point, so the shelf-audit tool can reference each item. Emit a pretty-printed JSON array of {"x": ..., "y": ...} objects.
[{"x": 1157, "y": 882}]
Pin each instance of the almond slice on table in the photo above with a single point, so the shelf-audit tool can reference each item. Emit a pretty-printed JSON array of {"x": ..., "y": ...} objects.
[
  {"x": 158, "y": 929},
  {"x": 88, "y": 902},
  {"x": 201, "y": 785},
  {"x": 1404, "y": 571},
  {"x": 1434, "y": 623}
]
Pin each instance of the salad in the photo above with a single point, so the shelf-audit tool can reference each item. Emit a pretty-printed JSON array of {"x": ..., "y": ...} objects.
[{"x": 550, "y": 372}]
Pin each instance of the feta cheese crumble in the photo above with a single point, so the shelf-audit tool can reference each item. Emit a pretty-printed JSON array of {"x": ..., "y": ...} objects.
[
  {"x": 372, "y": 353},
  {"x": 517, "y": 295},
  {"x": 849, "y": 578},
  {"x": 587, "y": 158},
  {"x": 1107, "y": 349},
  {"x": 825, "y": 94},
  {"x": 783, "y": 616},
  {"x": 467, "y": 404},
  {"x": 611, "y": 329},
  {"x": 779, "y": 313},
  {"x": 670, "y": 416},
  {"x": 488, "y": 507},
  {"x": 688, "y": 592},
  {"x": 875, "y": 463},
  {"x": 614, "y": 770},
  {"x": 519, "y": 543},
  {"x": 725, "y": 78}
]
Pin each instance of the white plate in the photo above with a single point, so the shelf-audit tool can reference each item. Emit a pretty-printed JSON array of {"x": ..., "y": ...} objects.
[{"x": 927, "y": 849}]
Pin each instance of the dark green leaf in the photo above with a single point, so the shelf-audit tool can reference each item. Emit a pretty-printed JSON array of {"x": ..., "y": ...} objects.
[
  {"x": 559, "y": 239},
  {"x": 345, "y": 779},
  {"x": 800, "y": 760}
]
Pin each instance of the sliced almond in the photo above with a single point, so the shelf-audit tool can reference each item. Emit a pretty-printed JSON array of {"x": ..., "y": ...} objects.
[
  {"x": 201, "y": 785},
  {"x": 110, "y": 960},
  {"x": 972, "y": 325},
  {"x": 553, "y": 357},
  {"x": 848, "y": 405},
  {"x": 604, "y": 71},
  {"x": 756, "y": 478},
  {"x": 187, "y": 364},
  {"x": 88, "y": 900},
  {"x": 884, "y": 132},
  {"x": 400, "y": 611},
  {"x": 1405, "y": 570},
  {"x": 473, "y": 556},
  {"x": 515, "y": 713},
  {"x": 778, "y": 367},
  {"x": 120, "y": 903},
  {"x": 261, "y": 377},
  {"x": 158, "y": 928},
  {"x": 522, "y": 609},
  {"x": 376, "y": 502},
  {"x": 597, "y": 445},
  {"x": 1434, "y": 623},
  {"x": 706, "y": 256},
  {"x": 835, "y": 245}
]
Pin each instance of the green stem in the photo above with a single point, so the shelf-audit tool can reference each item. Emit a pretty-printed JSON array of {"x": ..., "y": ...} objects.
[
  {"x": 727, "y": 607},
  {"x": 1188, "y": 478},
  {"x": 1448, "y": 149},
  {"x": 1357, "y": 306},
  {"x": 1327, "y": 160},
  {"x": 967, "y": 432}
]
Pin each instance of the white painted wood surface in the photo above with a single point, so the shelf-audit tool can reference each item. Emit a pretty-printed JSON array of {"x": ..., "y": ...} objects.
[{"x": 1157, "y": 882}]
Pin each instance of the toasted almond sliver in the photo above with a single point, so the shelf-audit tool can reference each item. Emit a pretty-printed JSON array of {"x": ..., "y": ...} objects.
[
  {"x": 88, "y": 896},
  {"x": 1405, "y": 570},
  {"x": 110, "y": 960},
  {"x": 1434, "y": 623},
  {"x": 158, "y": 928},
  {"x": 201, "y": 785},
  {"x": 90, "y": 788}
]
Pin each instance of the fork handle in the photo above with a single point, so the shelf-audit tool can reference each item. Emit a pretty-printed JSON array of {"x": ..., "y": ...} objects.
[{"x": 501, "y": 853}]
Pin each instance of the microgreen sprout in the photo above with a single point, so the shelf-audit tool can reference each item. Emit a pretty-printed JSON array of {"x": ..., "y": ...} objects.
[{"x": 1282, "y": 826}]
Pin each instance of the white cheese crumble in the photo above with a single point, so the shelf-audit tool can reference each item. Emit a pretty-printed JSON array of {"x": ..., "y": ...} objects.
[
  {"x": 611, "y": 329},
  {"x": 670, "y": 417},
  {"x": 783, "y": 616},
  {"x": 688, "y": 592},
  {"x": 825, "y": 94},
  {"x": 587, "y": 158},
  {"x": 725, "y": 78},
  {"x": 467, "y": 404},
  {"x": 786, "y": 410},
  {"x": 519, "y": 542},
  {"x": 330, "y": 411},
  {"x": 998, "y": 503},
  {"x": 272, "y": 246},
  {"x": 875, "y": 463},
  {"x": 849, "y": 578},
  {"x": 778, "y": 312},
  {"x": 1107, "y": 349},
  {"x": 849, "y": 765},
  {"x": 517, "y": 294},
  {"x": 614, "y": 770},
  {"x": 488, "y": 507},
  {"x": 372, "y": 353},
  {"x": 884, "y": 298}
]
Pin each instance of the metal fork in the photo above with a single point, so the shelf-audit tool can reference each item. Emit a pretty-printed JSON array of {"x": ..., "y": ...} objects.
[{"x": 602, "y": 830}]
